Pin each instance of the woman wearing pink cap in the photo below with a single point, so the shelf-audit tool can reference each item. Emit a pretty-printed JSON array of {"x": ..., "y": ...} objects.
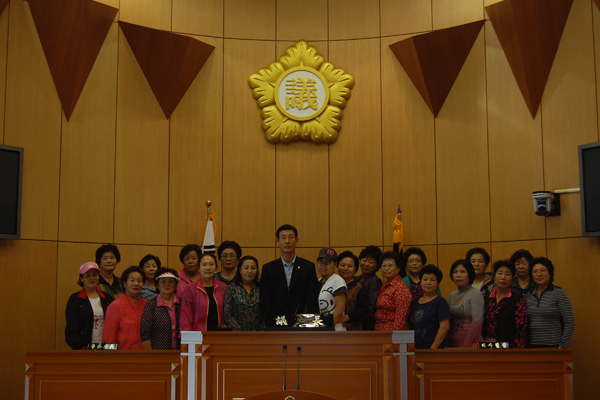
[
  {"x": 86, "y": 309},
  {"x": 160, "y": 320},
  {"x": 124, "y": 315}
]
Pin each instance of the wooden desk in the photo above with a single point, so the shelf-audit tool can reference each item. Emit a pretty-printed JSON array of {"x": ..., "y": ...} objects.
[
  {"x": 114, "y": 375},
  {"x": 472, "y": 374},
  {"x": 345, "y": 366}
]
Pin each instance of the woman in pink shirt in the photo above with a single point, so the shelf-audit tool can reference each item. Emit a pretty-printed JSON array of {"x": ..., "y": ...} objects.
[
  {"x": 123, "y": 316},
  {"x": 203, "y": 300}
]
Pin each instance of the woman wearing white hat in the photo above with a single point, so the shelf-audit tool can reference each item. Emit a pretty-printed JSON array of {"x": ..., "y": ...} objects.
[
  {"x": 86, "y": 309},
  {"x": 160, "y": 320}
]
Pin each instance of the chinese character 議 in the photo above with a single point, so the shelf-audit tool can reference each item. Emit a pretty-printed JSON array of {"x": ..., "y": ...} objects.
[{"x": 299, "y": 91}]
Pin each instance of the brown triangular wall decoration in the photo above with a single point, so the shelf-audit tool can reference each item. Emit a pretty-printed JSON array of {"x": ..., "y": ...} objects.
[
  {"x": 3, "y": 4},
  {"x": 169, "y": 61},
  {"x": 529, "y": 32},
  {"x": 434, "y": 60},
  {"x": 72, "y": 33}
]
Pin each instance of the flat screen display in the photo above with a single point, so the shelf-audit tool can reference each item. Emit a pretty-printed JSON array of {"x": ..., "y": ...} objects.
[
  {"x": 589, "y": 179},
  {"x": 11, "y": 177}
]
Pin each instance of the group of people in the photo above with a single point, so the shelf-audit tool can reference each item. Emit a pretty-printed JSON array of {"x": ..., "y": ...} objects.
[{"x": 149, "y": 305}]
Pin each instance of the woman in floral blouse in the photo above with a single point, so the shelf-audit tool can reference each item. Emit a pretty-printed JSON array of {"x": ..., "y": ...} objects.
[
  {"x": 242, "y": 298},
  {"x": 160, "y": 320},
  {"x": 393, "y": 303},
  {"x": 505, "y": 318}
]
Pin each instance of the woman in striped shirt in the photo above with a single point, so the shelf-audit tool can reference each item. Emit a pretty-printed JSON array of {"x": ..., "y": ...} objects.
[{"x": 551, "y": 322}]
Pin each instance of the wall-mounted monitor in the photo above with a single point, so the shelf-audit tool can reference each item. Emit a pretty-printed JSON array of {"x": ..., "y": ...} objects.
[
  {"x": 11, "y": 185},
  {"x": 589, "y": 180}
]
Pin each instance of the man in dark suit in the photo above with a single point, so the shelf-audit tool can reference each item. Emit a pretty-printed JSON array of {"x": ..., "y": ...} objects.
[{"x": 289, "y": 284}]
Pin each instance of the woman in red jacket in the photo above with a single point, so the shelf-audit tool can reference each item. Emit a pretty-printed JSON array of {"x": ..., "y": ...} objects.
[{"x": 203, "y": 301}]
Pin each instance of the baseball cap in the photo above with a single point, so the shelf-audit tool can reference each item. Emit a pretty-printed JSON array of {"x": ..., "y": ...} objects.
[
  {"x": 328, "y": 254},
  {"x": 85, "y": 267}
]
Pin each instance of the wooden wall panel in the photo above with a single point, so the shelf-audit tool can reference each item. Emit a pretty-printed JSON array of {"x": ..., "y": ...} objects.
[
  {"x": 447, "y": 254},
  {"x": 408, "y": 145},
  {"x": 302, "y": 182},
  {"x": 509, "y": 122},
  {"x": 399, "y": 17},
  {"x": 248, "y": 158},
  {"x": 150, "y": 13},
  {"x": 28, "y": 323},
  {"x": 355, "y": 158},
  {"x": 131, "y": 255},
  {"x": 142, "y": 157},
  {"x": 70, "y": 257},
  {"x": 87, "y": 174},
  {"x": 596, "y": 24},
  {"x": 302, "y": 20},
  {"x": 32, "y": 121},
  {"x": 569, "y": 114},
  {"x": 353, "y": 19},
  {"x": 249, "y": 19},
  {"x": 196, "y": 162},
  {"x": 503, "y": 250},
  {"x": 198, "y": 17},
  {"x": 447, "y": 13},
  {"x": 576, "y": 271},
  {"x": 3, "y": 59},
  {"x": 462, "y": 156}
]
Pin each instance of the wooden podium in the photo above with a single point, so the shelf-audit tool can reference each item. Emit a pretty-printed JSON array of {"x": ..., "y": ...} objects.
[
  {"x": 102, "y": 374},
  {"x": 475, "y": 374},
  {"x": 343, "y": 366}
]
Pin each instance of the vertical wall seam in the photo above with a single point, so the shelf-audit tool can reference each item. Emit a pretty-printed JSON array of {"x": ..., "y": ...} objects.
[
  {"x": 487, "y": 129},
  {"x": 116, "y": 130},
  {"x": 8, "y": 9},
  {"x": 595, "y": 70}
]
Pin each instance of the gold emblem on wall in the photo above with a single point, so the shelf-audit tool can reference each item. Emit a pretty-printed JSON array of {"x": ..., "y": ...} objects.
[{"x": 301, "y": 96}]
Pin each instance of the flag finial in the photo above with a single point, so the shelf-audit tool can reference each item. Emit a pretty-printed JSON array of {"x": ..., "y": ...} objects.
[{"x": 209, "y": 203}]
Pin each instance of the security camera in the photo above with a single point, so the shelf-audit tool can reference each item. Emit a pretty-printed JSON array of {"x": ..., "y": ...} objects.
[{"x": 546, "y": 204}]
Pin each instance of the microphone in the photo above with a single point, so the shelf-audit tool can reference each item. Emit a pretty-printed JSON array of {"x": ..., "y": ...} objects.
[
  {"x": 284, "y": 363},
  {"x": 298, "y": 369}
]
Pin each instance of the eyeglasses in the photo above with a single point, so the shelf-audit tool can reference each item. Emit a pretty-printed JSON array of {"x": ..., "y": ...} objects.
[
  {"x": 415, "y": 261},
  {"x": 228, "y": 256}
]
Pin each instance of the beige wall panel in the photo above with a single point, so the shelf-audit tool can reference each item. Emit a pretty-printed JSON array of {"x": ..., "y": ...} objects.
[
  {"x": 142, "y": 157},
  {"x": 408, "y": 148},
  {"x": 32, "y": 121},
  {"x": 87, "y": 174},
  {"x": 355, "y": 158},
  {"x": 576, "y": 262},
  {"x": 447, "y": 254},
  {"x": 596, "y": 23},
  {"x": 569, "y": 115},
  {"x": 196, "y": 153},
  {"x": 154, "y": 14},
  {"x": 353, "y": 19},
  {"x": 504, "y": 250},
  {"x": 70, "y": 258},
  {"x": 29, "y": 311},
  {"x": 198, "y": 17},
  {"x": 302, "y": 20},
  {"x": 173, "y": 257},
  {"x": 131, "y": 255},
  {"x": 404, "y": 16},
  {"x": 249, "y": 19},
  {"x": 262, "y": 254},
  {"x": 301, "y": 180},
  {"x": 462, "y": 156},
  {"x": 3, "y": 58},
  {"x": 510, "y": 123},
  {"x": 301, "y": 186},
  {"x": 569, "y": 222},
  {"x": 248, "y": 158},
  {"x": 449, "y": 13},
  {"x": 569, "y": 110}
]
